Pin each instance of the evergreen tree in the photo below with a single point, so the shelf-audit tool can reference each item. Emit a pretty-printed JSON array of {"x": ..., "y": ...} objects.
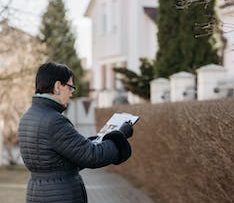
[
  {"x": 180, "y": 47},
  {"x": 55, "y": 32},
  {"x": 138, "y": 84}
]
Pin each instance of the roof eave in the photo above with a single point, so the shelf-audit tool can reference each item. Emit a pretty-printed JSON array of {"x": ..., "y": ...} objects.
[{"x": 89, "y": 8}]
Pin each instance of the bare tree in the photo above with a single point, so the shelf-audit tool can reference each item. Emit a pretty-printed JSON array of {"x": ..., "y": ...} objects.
[
  {"x": 4, "y": 7},
  {"x": 20, "y": 54}
]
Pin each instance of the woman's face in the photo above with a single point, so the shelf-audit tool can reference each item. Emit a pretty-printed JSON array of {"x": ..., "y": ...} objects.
[{"x": 63, "y": 93}]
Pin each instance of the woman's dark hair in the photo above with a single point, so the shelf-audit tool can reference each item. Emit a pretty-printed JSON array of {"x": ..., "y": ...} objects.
[{"x": 49, "y": 73}]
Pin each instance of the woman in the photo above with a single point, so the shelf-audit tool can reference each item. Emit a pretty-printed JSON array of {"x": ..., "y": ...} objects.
[{"x": 53, "y": 151}]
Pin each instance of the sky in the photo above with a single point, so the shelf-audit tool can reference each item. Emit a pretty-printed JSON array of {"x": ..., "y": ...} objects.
[{"x": 26, "y": 15}]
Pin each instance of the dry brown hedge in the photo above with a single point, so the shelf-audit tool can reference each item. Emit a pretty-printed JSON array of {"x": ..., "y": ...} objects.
[{"x": 182, "y": 152}]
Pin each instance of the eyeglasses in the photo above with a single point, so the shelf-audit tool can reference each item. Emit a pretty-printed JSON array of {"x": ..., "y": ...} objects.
[{"x": 71, "y": 88}]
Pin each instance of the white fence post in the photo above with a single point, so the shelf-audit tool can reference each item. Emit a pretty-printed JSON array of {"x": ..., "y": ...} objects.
[
  {"x": 208, "y": 79},
  {"x": 81, "y": 113},
  {"x": 182, "y": 86},
  {"x": 159, "y": 90}
]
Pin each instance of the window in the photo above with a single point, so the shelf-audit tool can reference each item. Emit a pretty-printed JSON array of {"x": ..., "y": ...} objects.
[
  {"x": 114, "y": 16},
  {"x": 103, "y": 18}
]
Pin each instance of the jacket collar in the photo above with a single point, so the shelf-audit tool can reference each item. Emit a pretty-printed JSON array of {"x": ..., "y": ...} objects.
[{"x": 48, "y": 103}]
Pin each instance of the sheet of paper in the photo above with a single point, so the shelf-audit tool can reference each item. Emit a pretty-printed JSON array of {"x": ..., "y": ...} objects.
[{"x": 115, "y": 122}]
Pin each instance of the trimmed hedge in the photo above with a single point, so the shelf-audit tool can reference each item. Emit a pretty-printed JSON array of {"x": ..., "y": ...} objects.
[{"x": 182, "y": 152}]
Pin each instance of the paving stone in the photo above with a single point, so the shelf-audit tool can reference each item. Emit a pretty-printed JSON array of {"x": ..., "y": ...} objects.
[
  {"x": 106, "y": 187},
  {"x": 102, "y": 187}
]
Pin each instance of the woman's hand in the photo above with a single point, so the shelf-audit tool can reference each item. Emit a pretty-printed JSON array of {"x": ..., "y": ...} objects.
[{"x": 127, "y": 129}]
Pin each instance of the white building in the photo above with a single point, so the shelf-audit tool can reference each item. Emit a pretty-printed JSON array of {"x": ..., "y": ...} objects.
[
  {"x": 226, "y": 12},
  {"x": 122, "y": 32}
]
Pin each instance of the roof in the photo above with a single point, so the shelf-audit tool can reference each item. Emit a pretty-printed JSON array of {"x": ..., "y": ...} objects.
[
  {"x": 89, "y": 8},
  {"x": 151, "y": 12}
]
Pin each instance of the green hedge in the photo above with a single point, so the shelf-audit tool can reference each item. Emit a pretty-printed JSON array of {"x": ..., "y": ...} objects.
[{"x": 182, "y": 152}]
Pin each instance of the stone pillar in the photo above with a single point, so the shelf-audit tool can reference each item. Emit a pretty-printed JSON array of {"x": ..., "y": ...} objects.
[
  {"x": 182, "y": 86},
  {"x": 208, "y": 78},
  {"x": 81, "y": 113},
  {"x": 159, "y": 90},
  {"x": 86, "y": 116}
]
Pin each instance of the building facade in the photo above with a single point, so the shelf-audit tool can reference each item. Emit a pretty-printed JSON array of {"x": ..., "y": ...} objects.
[
  {"x": 122, "y": 32},
  {"x": 226, "y": 13}
]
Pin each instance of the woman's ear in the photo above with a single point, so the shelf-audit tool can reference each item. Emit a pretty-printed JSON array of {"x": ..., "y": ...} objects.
[{"x": 57, "y": 85}]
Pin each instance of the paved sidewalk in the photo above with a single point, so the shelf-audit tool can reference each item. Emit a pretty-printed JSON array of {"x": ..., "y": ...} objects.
[
  {"x": 102, "y": 187},
  {"x": 105, "y": 187}
]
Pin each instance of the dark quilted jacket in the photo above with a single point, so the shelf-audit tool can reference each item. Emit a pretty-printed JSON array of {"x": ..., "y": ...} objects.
[{"x": 54, "y": 152}]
